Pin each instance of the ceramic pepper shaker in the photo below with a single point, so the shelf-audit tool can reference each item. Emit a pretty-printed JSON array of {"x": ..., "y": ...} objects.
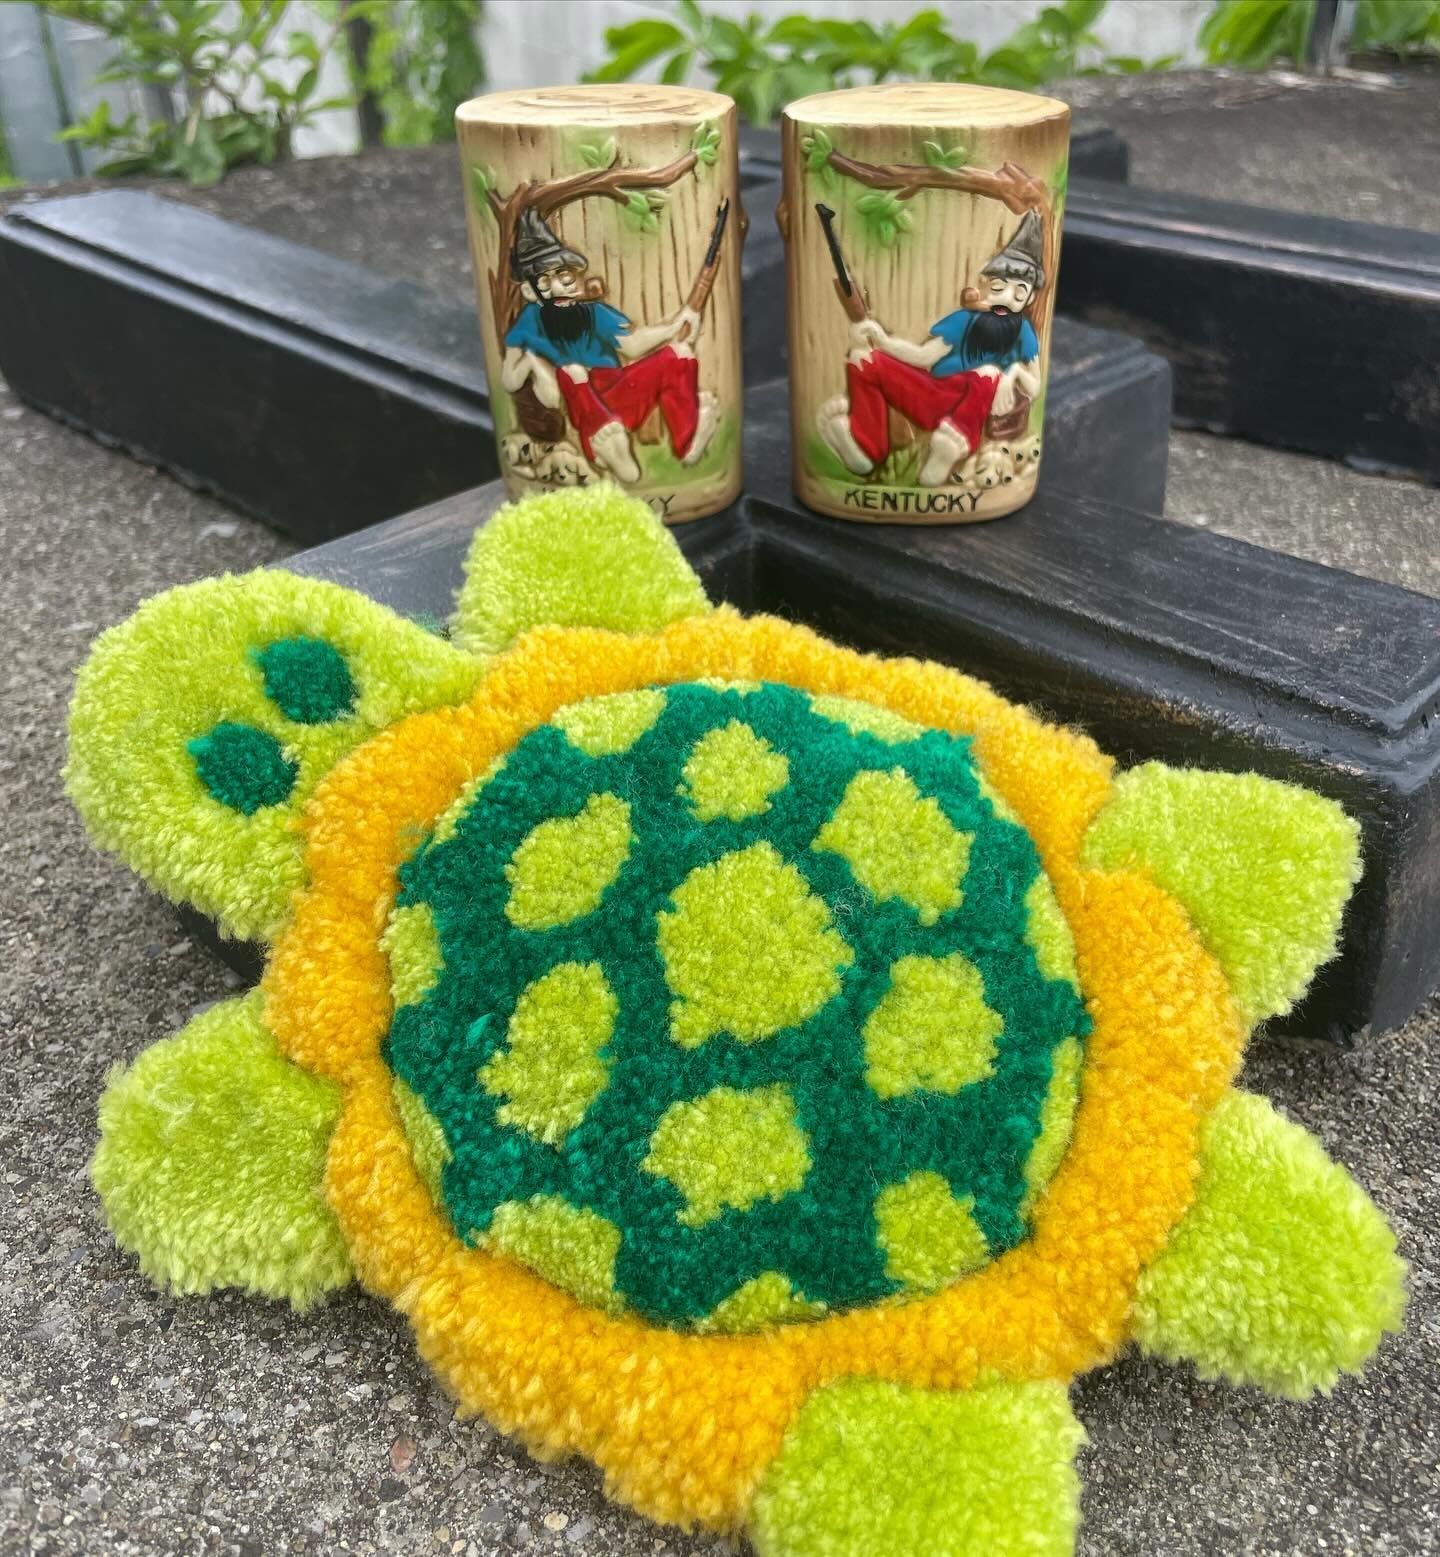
[
  {"x": 922, "y": 226},
  {"x": 605, "y": 230}
]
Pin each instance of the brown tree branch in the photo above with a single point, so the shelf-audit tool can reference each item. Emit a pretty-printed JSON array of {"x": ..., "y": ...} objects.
[
  {"x": 612, "y": 182},
  {"x": 1011, "y": 185}
]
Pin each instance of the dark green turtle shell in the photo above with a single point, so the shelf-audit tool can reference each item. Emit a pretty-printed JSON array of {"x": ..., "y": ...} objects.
[{"x": 727, "y": 1005}]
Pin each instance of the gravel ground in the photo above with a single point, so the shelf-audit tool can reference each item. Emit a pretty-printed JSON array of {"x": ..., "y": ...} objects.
[{"x": 132, "y": 1423}]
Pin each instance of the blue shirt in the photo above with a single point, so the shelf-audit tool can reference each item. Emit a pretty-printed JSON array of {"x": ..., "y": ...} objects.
[
  {"x": 961, "y": 358},
  {"x": 594, "y": 349}
]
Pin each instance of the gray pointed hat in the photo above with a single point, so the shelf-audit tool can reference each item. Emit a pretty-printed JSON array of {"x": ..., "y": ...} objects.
[
  {"x": 537, "y": 249},
  {"x": 1020, "y": 259}
]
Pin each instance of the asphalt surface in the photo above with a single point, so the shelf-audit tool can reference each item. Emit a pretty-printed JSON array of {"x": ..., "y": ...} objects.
[{"x": 133, "y": 1423}]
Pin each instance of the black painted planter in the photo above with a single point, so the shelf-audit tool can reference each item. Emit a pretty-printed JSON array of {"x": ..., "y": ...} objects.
[
  {"x": 322, "y": 398},
  {"x": 1300, "y": 331}
]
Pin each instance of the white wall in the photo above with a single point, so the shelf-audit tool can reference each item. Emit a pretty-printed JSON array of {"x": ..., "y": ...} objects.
[{"x": 541, "y": 42}]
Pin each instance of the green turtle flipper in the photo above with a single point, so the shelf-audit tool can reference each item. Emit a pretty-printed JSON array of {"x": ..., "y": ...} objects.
[
  {"x": 591, "y": 557},
  {"x": 1283, "y": 1273},
  {"x": 200, "y": 726},
  {"x": 211, "y": 1159},
  {"x": 875, "y": 1469},
  {"x": 1264, "y": 869}
]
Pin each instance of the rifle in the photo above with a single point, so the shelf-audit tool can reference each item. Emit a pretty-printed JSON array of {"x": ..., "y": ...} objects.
[
  {"x": 845, "y": 289},
  {"x": 705, "y": 280}
]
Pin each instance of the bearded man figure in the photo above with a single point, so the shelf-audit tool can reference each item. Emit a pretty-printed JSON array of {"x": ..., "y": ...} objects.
[
  {"x": 973, "y": 362},
  {"x": 577, "y": 350}
]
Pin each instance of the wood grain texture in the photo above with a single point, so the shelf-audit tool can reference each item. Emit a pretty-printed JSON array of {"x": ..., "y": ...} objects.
[
  {"x": 1008, "y": 151},
  {"x": 577, "y": 156}
]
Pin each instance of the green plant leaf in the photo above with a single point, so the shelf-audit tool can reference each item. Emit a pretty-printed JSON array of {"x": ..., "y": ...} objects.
[
  {"x": 196, "y": 154},
  {"x": 633, "y": 47},
  {"x": 677, "y": 67},
  {"x": 125, "y": 167},
  {"x": 795, "y": 32},
  {"x": 1253, "y": 33},
  {"x": 1401, "y": 26}
]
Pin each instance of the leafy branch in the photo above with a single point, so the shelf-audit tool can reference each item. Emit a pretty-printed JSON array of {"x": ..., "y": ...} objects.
[
  {"x": 638, "y": 190},
  {"x": 765, "y": 66},
  {"x": 945, "y": 168},
  {"x": 1252, "y": 34},
  {"x": 242, "y": 86},
  {"x": 705, "y": 143},
  {"x": 416, "y": 63},
  {"x": 212, "y": 56}
]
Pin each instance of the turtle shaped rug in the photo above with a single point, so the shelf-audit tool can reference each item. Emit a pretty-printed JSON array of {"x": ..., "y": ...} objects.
[{"x": 771, "y": 1071}]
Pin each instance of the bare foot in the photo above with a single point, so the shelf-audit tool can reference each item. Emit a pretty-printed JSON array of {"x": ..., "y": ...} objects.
[
  {"x": 705, "y": 426},
  {"x": 832, "y": 422},
  {"x": 948, "y": 446},
  {"x": 612, "y": 448}
]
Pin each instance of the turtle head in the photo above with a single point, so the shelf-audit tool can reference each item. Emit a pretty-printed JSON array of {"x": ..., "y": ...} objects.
[
  {"x": 201, "y": 725},
  {"x": 1264, "y": 869}
]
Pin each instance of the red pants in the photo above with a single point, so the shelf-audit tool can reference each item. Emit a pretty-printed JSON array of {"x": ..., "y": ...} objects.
[
  {"x": 629, "y": 394},
  {"x": 880, "y": 381}
]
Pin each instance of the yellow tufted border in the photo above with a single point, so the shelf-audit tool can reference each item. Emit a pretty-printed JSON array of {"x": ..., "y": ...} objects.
[{"x": 683, "y": 1426}]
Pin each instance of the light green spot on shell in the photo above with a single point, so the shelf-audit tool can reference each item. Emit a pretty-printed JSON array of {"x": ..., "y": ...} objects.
[
  {"x": 603, "y": 726},
  {"x": 730, "y": 1148},
  {"x": 865, "y": 718},
  {"x": 450, "y": 817},
  {"x": 932, "y": 1030},
  {"x": 898, "y": 843},
  {"x": 748, "y": 949},
  {"x": 732, "y": 772},
  {"x": 572, "y": 1248},
  {"x": 1048, "y": 934},
  {"x": 929, "y": 1236},
  {"x": 561, "y": 868},
  {"x": 412, "y": 944},
  {"x": 744, "y": 686},
  {"x": 550, "y": 1070},
  {"x": 1057, "y": 1117},
  {"x": 768, "y": 1299},
  {"x": 429, "y": 1149},
  {"x": 998, "y": 803}
]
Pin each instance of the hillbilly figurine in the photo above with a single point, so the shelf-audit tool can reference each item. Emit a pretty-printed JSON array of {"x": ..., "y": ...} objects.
[
  {"x": 975, "y": 364},
  {"x": 617, "y": 215},
  {"x": 577, "y": 350},
  {"x": 897, "y": 418}
]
